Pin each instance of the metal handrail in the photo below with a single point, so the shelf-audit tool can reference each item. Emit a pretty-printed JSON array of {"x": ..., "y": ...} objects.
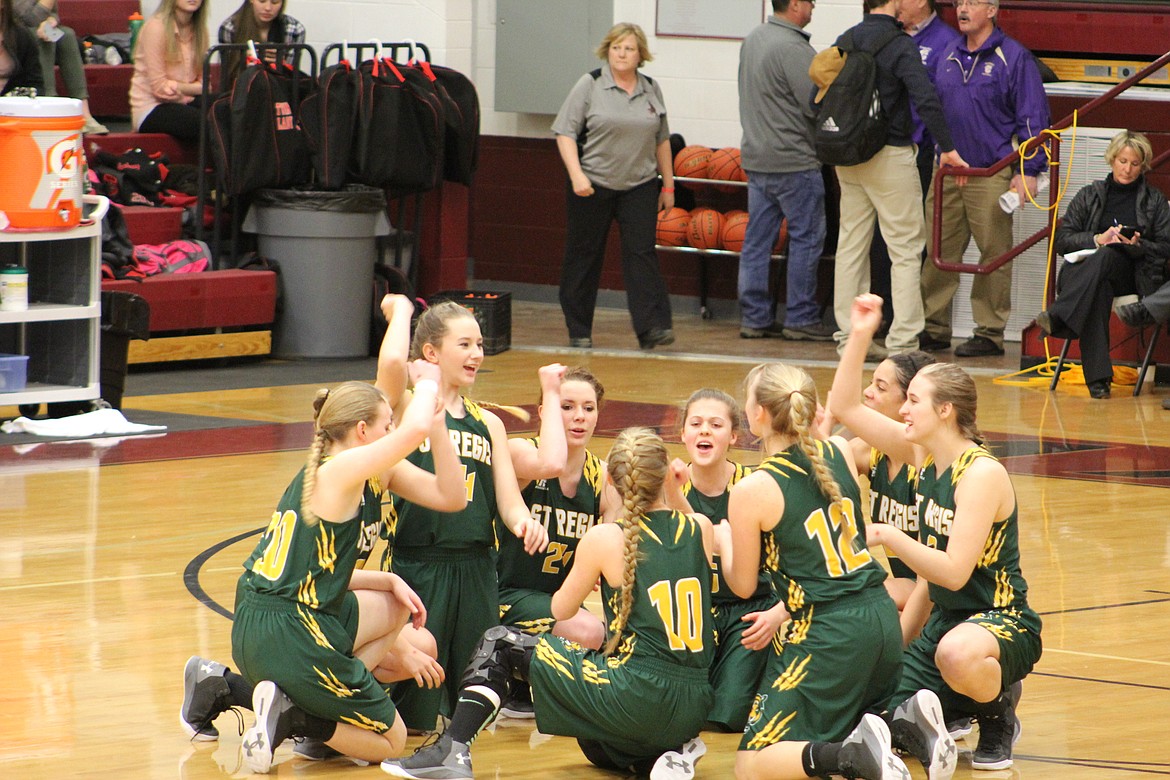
[{"x": 1053, "y": 190}]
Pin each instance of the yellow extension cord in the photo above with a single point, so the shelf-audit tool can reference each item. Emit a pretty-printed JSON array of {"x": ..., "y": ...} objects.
[{"x": 1040, "y": 375}]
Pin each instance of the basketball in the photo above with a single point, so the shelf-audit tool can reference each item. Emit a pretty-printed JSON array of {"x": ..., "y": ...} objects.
[
  {"x": 734, "y": 226},
  {"x": 706, "y": 226},
  {"x": 691, "y": 162},
  {"x": 724, "y": 166},
  {"x": 672, "y": 227},
  {"x": 781, "y": 244}
]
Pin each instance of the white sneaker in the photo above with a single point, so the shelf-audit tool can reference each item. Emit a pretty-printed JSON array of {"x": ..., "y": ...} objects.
[
  {"x": 271, "y": 706},
  {"x": 866, "y": 753},
  {"x": 679, "y": 764},
  {"x": 918, "y": 728}
]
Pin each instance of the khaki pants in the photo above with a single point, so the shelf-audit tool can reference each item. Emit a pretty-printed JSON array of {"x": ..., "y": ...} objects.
[
  {"x": 969, "y": 211},
  {"x": 886, "y": 185}
]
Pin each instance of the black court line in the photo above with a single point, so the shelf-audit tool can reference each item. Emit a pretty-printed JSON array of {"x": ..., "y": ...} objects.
[
  {"x": 1078, "y": 678},
  {"x": 1137, "y": 767},
  {"x": 1107, "y": 606},
  {"x": 191, "y": 573}
]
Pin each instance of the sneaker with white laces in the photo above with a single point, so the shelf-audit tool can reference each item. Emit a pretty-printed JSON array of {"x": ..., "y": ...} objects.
[
  {"x": 273, "y": 710},
  {"x": 679, "y": 764},
  {"x": 917, "y": 727},
  {"x": 205, "y": 695},
  {"x": 866, "y": 753},
  {"x": 443, "y": 759}
]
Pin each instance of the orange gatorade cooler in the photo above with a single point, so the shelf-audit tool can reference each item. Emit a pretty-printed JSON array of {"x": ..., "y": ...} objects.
[{"x": 40, "y": 177}]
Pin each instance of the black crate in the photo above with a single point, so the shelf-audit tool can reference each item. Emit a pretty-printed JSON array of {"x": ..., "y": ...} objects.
[{"x": 493, "y": 312}]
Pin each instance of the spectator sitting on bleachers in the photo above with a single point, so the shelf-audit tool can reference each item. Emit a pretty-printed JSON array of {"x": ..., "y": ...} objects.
[
  {"x": 167, "y": 84},
  {"x": 263, "y": 21},
  {"x": 57, "y": 45},
  {"x": 18, "y": 54}
]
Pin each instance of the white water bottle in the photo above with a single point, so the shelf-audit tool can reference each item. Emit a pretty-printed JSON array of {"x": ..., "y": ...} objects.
[{"x": 13, "y": 288}]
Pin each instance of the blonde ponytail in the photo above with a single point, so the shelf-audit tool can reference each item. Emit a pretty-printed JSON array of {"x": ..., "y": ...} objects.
[{"x": 637, "y": 465}]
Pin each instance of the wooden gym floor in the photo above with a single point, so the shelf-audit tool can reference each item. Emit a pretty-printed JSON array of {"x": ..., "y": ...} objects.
[{"x": 118, "y": 561}]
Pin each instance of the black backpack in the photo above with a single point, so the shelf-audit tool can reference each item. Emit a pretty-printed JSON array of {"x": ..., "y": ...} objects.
[
  {"x": 851, "y": 126},
  {"x": 329, "y": 120}
]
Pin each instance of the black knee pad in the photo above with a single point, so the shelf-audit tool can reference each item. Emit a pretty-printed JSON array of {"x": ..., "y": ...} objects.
[{"x": 503, "y": 654}]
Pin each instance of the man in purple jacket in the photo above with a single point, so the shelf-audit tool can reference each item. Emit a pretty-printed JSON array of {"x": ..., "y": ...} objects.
[{"x": 992, "y": 95}]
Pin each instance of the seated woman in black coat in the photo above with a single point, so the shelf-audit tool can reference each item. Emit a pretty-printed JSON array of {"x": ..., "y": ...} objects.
[
  {"x": 1128, "y": 222},
  {"x": 20, "y": 65}
]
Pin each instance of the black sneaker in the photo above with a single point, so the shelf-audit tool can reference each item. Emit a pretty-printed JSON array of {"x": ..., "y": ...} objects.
[
  {"x": 866, "y": 753},
  {"x": 444, "y": 759},
  {"x": 928, "y": 343},
  {"x": 960, "y": 727},
  {"x": 917, "y": 727},
  {"x": 585, "y": 342},
  {"x": 518, "y": 705},
  {"x": 1135, "y": 315},
  {"x": 273, "y": 714},
  {"x": 656, "y": 338},
  {"x": 773, "y": 331},
  {"x": 998, "y": 734},
  {"x": 205, "y": 695},
  {"x": 978, "y": 346},
  {"x": 818, "y": 331},
  {"x": 317, "y": 750}
]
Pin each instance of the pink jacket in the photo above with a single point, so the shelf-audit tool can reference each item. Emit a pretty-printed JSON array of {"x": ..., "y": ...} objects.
[{"x": 155, "y": 80}]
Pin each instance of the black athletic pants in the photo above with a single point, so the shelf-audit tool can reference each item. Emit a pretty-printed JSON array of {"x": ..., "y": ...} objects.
[
  {"x": 180, "y": 120},
  {"x": 1084, "y": 299}
]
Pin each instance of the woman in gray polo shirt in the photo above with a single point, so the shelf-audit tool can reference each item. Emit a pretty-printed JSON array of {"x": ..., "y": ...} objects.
[{"x": 614, "y": 140}]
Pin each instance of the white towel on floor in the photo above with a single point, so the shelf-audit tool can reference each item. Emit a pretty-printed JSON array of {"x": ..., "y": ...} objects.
[{"x": 99, "y": 423}]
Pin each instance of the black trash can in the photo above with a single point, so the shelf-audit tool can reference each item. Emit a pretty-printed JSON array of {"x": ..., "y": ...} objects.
[
  {"x": 326, "y": 244},
  {"x": 125, "y": 316}
]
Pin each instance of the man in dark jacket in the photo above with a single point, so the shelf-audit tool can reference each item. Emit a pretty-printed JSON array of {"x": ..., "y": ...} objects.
[{"x": 887, "y": 184}]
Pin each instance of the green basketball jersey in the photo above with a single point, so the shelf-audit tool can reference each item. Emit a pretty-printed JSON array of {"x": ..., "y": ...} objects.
[
  {"x": 715, "y": 508},
  {"x": 893, "y": 500},
  {"x": 816, "y": 552},
  {"x": 670, "y": 619},
  {"x": 996, "y": 582},
  {"x": 566, "y": 520},
  {"x": 411, "y": 525},
  {"x": 312, "y": 565}
]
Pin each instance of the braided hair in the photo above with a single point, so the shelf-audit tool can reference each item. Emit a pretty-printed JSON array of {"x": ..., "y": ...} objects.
[
  {"x": 789, "y": 395},
  {"x": 637, "y": 465},
  {"x": 335, "y": 413}
]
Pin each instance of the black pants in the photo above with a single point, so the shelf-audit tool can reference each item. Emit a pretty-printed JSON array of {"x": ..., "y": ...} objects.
[
  {"x": 636, "y": 212},
  {"x": 1084, "y": 298},
  {"x": 180, "y": 120}
]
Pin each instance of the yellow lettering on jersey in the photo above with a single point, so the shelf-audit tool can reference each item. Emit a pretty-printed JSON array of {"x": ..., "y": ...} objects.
[{"x": 938, "y": 517}]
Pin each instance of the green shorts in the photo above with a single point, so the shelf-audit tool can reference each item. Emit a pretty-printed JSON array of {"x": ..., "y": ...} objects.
[
  {"x": 528, "y": 610},
  {"x": 636, "y": 710},
  {"x": 308, "y": 654},
  {"x": 459, "y": 590},
  {"x": 1016, "y": 630},
  {"x": 736, "y": 671},
  {"x": 839, "y": 660}
]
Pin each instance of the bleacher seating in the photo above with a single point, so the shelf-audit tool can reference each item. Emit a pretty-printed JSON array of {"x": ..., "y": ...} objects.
[{"x": 109, "y": 85}]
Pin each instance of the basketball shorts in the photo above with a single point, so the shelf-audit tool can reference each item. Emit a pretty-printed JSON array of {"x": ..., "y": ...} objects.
[
  {"x": 736, "y": 671},
  {"x": 528, "y": 610}
]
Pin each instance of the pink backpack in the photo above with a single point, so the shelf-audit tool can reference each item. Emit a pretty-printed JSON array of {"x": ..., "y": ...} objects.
[{"x": 173, "y": 257}]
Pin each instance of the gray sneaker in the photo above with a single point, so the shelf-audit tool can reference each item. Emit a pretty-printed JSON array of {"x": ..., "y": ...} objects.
[
  {"x": 205, "y": 693},
  {"x": 866, "y": 753},
  {"x": 273, "y": 709},
  {"x": 918, "y": 728},
  {"x": 817, "y": 331},
  {"x": 444, "y": 759},
  {"x": 317, "y": 750},
  {"x": 998, "y": 735}
]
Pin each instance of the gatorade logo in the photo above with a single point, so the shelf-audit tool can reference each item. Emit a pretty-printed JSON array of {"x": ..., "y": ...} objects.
[
  {"x": 284, "y": 117},
  {"x": 61, "y": 157}
]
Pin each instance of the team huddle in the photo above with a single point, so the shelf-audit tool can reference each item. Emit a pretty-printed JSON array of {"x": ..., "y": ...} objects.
[{"x": 735, "y": 598}]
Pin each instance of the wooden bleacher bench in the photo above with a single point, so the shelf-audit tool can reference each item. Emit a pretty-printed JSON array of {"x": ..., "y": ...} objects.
[
  {"x": 109, "y": 85},
  {"x": 204, "y": 315}
]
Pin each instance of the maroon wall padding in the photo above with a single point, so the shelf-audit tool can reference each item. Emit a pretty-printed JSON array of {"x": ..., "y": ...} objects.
[{"x": 211, "y": 299}]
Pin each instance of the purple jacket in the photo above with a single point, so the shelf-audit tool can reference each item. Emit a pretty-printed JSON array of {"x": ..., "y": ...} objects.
[
  {"x": 932, "y": 40},
  {"x": 990, "y": 95}
]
